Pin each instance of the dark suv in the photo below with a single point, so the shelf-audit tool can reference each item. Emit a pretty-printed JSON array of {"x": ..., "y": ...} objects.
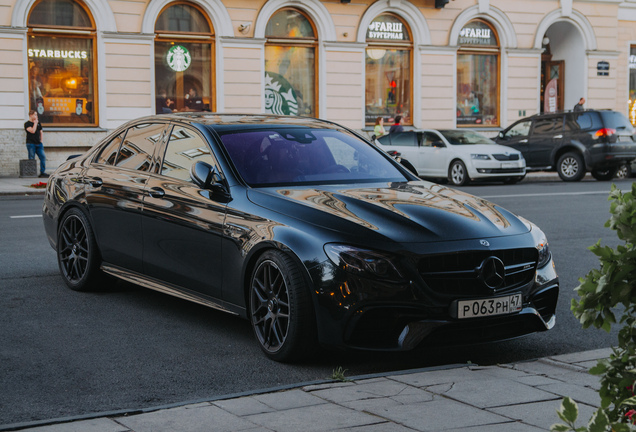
[{"x": 600, "y": 141}]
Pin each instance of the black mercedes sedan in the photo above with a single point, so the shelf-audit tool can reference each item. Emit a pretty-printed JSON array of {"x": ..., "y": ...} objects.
[{"x": 301, "y": 226}]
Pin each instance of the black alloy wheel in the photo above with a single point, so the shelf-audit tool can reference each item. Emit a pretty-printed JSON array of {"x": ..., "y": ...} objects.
[
  {"x": 571, "y": 167},
  {"x": 280, "y": 308},
  {"x": 77, "y": 254},
  {"x": 457, "y": 174}
]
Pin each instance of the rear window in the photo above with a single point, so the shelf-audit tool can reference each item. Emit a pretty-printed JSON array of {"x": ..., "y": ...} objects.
[
  {"x": 583, "y": 121},
  {"x": 615, "y": 120}
]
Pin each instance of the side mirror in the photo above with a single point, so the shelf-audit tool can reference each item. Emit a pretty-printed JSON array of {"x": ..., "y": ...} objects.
[
  {"x": 501, "y": 135},
  {"x": 206, "y": 176}
]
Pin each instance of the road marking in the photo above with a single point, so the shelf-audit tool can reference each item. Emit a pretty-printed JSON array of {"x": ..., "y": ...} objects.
[
  {"x": 546, "y": 194},
  {"x": 25, "y": 216}
]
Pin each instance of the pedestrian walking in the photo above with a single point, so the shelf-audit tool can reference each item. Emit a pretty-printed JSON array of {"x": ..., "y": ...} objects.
[
  {"x": 34, "y": 145},
  {"x": 397, "y": 125},
  {"x": 579, "y": 105}
]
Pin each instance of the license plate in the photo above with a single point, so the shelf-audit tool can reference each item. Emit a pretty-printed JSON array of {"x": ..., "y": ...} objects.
[
  {"x": 489, "y": 307},
  {"x": 508, "y": 165}
]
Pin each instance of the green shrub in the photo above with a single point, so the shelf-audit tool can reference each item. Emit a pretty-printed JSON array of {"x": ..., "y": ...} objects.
[{"x": 601, "y": 292}]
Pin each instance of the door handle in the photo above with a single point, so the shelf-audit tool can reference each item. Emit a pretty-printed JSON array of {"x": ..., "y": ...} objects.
[
  {"x": 94, "y": 182},
  {"x": 156, "y": 192},
  {"x": 557, "y": 136},
  {"x": 523, "y": 141}
]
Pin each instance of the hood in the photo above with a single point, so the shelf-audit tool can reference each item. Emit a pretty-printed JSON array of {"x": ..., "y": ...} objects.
[{"x": 401, "y": 212}]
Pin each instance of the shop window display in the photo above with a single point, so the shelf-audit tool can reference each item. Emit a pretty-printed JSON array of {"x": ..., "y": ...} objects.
[
  {"x": 183, "y": 60},
  {"x": 388, "y": 89},
  {"x": 632, "y": 85},
  {"x": 290, "y": 65},
  {"x": 478, "y": 76},
  {"x": 62, "y": 64}
]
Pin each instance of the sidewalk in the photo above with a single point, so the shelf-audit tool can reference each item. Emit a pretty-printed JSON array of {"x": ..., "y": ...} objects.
[{"x": 520, "y": 397}]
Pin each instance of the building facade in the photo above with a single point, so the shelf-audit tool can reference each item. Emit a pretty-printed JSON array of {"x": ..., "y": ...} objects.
[{"x": 87, "y": 66}]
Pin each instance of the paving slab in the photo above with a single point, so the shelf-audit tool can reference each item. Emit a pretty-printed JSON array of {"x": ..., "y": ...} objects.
[
  {"x": 495, "y": 392},
  {"x": 580, "y": 394},
  {"x": 243, "y": 406},
  {"x": 363, "y": 390},
  {"x": 439, "y": 415},
  {"x": 193, "y": 418},
  {"x": 284, "y": 400},
  {"x": 316, "y": 418},
  {"x": 542, "y": 414},
  {"x": 92, "y": 425}
]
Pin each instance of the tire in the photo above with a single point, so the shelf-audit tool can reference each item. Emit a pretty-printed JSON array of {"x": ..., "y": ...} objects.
[
  {"x": 77, "y": 253},
  {"x": 624, "y": 172},
  {"x": 604, "y": 175},
  {"x": 457, "y": 174},
  {"x": 571, "y": 167},
  {"x": 280, "y": 308}
]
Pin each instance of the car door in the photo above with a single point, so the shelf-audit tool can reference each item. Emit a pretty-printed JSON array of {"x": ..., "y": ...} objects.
[
  {"x": 517, "y": 137},
  {"x": 183, "y": 224},
  {"x": 114, "y": 188},
  {"x": 546, "y": 136},
  {"x": 406, "y": 144},
  {"x": 434, "y": 155}
]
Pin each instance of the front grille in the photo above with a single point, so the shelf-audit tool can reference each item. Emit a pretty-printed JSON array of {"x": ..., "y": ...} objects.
[
  {"x": 503, "y": 157},
  {"x": 458, "y": 274}
]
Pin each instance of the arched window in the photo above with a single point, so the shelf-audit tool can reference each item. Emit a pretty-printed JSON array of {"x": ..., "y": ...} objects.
[
  {"x": 478, "y": 75},
  {"x": 290, "y": 64},
  {"x": 388, "y": 89},
  {"x": 62, "y": 63},
  {"x": 184, "y": 60}
]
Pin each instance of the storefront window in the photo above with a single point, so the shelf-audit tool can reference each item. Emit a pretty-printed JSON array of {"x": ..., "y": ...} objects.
[
  {"x": 478, "y": 76},
  {"x": 632, "y": 85},
  {"x": 61, "y": 57},
  {"x": 388, "y": 70},
  {"x": 183, "y": 60},
  {"x": 290, "y": 65}
]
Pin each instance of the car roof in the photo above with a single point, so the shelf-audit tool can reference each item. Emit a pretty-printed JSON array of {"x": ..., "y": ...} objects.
[{"x": 221, "y": 122}]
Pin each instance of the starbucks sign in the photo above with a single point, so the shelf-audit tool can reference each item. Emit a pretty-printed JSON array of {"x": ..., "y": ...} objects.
[
  {"x": 178, "y": 58},
  {"x": 280, "y": 97}
]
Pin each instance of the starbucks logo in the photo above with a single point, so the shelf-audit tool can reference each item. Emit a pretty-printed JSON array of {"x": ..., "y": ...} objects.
[
  {"x": 280, "y": 97},
  {"x": 178, "y": 58}
]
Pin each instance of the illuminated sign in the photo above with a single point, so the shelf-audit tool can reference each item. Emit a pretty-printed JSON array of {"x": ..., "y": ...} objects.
[
  {"x": 386, "y": 30},
  {"x": 59, "y": 54},
  {"x": 178, "y": 58}
]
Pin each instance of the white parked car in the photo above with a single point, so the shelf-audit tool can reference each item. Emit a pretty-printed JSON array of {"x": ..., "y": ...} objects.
[{"x": 460, "y": 155}]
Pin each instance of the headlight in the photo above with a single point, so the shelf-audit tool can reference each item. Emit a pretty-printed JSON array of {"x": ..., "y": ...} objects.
[
  {"x": 544, "y": 252},
  {"x": 480, "y": 156},
  {"x": 363, "y": 261}
]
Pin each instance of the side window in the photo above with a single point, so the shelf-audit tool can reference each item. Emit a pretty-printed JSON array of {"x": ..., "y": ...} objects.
[
  {"x": 520, "y": 129},
  {"x": 108, "y": 155},
  {"x": 548, "y": 125},
  {"x": 406, "y": 139},
  {"x": 185, "y": 147},
  {"x": 583, "y": 121},
  {"x": 428, "y": 138},
  {"x": 139, "y": 146}
]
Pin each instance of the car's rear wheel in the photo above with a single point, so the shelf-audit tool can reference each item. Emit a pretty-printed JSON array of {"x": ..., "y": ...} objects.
[
  {"x": 625, "y": 171},
  {"x": 77, "y": 254},
  {"x": 571, "y": 167},
  {"x": 457, "y": 173},
  {"x": 281, "y": 309},
  {"x": 604, "y": 175}
]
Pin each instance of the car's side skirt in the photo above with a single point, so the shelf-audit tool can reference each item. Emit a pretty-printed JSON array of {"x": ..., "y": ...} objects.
[{"x": 153, "y": 284}]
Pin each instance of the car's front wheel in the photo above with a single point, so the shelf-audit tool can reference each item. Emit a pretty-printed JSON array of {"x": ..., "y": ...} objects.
[
  {"x": 77, "y": 254},
  {"x": 625, "y": 171},
  {"x": 571, "y": 167},
  {"x": 457, "y": 173},
  {"x": 281, "y": 309}
]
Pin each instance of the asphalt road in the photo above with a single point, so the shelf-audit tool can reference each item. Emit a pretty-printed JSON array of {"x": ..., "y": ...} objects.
[{"x": 64, "y": 353}]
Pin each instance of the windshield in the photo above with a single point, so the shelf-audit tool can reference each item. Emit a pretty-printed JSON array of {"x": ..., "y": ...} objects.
[
  {"x": 465, "y": 137},
  {"x": 288, "y": 156}
]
